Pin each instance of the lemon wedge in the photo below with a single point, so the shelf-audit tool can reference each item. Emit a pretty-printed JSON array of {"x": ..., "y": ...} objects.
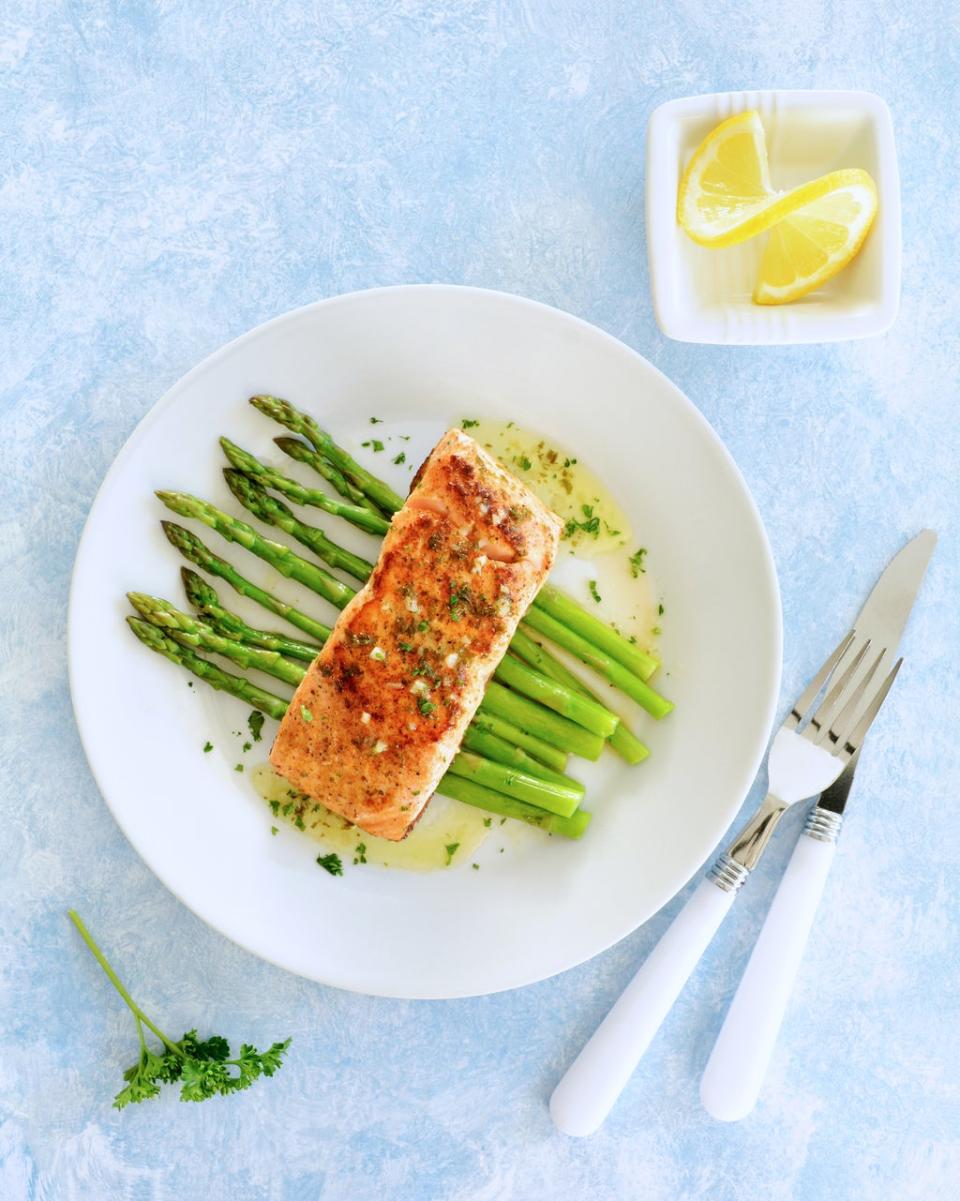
[
  {"x": 725, "y": 192},
  {"x": 817, "y": 238}
]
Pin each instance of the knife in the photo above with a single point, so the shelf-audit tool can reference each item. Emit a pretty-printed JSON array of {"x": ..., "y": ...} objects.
[{"x": 738, "y": 1063}]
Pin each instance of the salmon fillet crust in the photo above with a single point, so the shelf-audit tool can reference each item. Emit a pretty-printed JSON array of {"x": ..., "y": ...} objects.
[{"x": 381, "y": 712}]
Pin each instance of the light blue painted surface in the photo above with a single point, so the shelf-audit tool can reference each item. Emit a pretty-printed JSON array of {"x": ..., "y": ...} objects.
[{"x": 174, "y": 174}]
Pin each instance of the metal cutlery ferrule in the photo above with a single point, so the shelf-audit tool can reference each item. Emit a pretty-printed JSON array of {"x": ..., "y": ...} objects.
[
  {"x": 727, "y": 874},
  {"x": 823, "y": 824}
]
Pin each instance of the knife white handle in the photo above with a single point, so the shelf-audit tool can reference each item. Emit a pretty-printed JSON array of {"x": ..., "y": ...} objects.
[
  {"x": 738, "y": 1063},
  {"x": 596, "y": 1078}
]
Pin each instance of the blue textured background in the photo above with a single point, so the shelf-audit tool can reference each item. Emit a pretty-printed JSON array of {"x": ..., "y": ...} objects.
[{"x": 173, "y": 174}]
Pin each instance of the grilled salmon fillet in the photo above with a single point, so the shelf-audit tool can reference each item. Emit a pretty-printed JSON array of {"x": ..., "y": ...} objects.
[{"x": 381, "y": 712}]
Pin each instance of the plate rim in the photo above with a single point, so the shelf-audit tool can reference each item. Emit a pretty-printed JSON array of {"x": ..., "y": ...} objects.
[{"x": 770, "y": 579}]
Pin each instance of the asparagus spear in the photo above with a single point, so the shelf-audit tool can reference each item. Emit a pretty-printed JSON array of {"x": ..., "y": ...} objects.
[
  {"x": 597, "y": 632},
  {"x": 301, "y": 423},
  {"x": 363, "y": 518},
  {"x": 153, "y": 637},
  {"x": 274, "y": 553},
  {"x": 544, "y": 752},
  {"x": 491, "y": 746},
  {"x": 562, "y": 799},
  {"x": 552, "y": 728},
  {"x": 189, "y": 632},
  {"x": 569, "y": 703},
  {"x": 471, "y": 793},
  {"x": 497, "y": 779},
  {"x": 626, "y": 744},
  {"x": 306, "y": 454},
  {"x": 193, "y": 549},
  {"x": 271, "y": 511},
  {"x": 205, "y": 600},
  {"x": 656, "y": 705},
  {"x": 565, "y": 701}
]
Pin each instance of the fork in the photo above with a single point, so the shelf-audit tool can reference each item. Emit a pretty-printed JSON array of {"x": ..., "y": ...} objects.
[{"x": 808, "y": 753}]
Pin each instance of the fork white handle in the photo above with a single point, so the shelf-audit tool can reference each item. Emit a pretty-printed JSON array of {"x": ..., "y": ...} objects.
[
  {"x": 596, "y": 1078},
  {"x": 738, "y": 1063}
]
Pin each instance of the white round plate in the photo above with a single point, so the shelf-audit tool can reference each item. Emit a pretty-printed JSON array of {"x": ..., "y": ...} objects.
[{"x": 422, "y": 358}]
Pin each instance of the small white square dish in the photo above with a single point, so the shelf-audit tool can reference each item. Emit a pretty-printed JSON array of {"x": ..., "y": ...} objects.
[{"x": 702, "y": 294}]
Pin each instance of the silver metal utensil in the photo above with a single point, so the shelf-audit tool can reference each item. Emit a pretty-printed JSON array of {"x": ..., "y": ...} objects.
[
  {"x": 811, "y": 748},
  {"x": 738, "y": 1063}
]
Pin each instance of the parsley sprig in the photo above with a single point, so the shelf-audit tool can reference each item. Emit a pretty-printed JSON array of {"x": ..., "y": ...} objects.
[{"x": 202, "y": 1067}]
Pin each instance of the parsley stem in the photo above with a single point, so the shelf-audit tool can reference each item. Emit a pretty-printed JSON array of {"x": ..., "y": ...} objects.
[{"x": 118, "y": 983}]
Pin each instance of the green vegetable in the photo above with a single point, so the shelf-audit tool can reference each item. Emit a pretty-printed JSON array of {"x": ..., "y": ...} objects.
[
  {"x": 622, "y": 740},
  {"x": 153, "y": 637},
  {"x": 594, "y": 630},
  {"x": 303, "y": 424},
  {"x": 331, "y": 863},
  {"x": 207, "y": 746},
  {"x": 306, "y": 454},
  {"x": 594, "y": 591},
  {"x": 656, "y": 705},
  {"x": 203, "y": 1068},
  {"x": 193, "y": 549},
  {"x": 636, "y": 563},
  {"x": 357, "y": 515},
  {"x": 205, "y": 600},
  {"x": 274, "y": 553},
  {"x": 451, "y": 848}
]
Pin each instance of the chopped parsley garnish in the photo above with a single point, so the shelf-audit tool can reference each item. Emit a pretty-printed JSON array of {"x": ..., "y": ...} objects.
[
  {"x": 298, "y": 822},
  {"x": 423, "y": 625},
  {"x": 406, "y": 647},
  {"x": 376, "y": 421},
  {"x": 331, "y": 863},
  {"x": 475, "y": 866},
  {"x": 569, "y": 462},
  {"x": 275, "y": 806},
  {"x": 636, "y": 563},
  {"x": 246, "y": 747},
  {"x": 589, "y": 525},
  {"x": 469, "y": 423},
  {"x": 305, "y": 713},
  {"x": 375, "y": 444},
  {"x": 400, "y": 458},
  {"x": 426, "y": 707},
  {"x": 458, "y": 598},
  {"x": 274, "y": 829},
  {"x": 207, "y": 747},
  {"x": 238, "y": 767},
  {"x": 660, "y": 610},
  {"x": 522, "y": 462},
  {"x": 451, "y": 848},
  {"x": 488, "y": 822},
  {"x": 361, "y": 855},
  {"x": 255, "y": 722},
  {"x": 592, "y": 585}
]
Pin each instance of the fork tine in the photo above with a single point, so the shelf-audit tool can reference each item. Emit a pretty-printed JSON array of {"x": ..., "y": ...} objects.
[
  {"x": 818, "y": 721},
  {"x": 854, "y": 740},
  {"x": 812, "y": 691},
  {"x": 840, "y": 726}
]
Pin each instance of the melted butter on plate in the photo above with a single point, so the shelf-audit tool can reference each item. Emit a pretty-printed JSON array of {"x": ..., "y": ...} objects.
[{"x": 443, "y": 824}]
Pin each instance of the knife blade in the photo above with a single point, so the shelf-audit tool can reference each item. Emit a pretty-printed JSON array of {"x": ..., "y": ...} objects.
[{"x": 883, "y": 619}]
